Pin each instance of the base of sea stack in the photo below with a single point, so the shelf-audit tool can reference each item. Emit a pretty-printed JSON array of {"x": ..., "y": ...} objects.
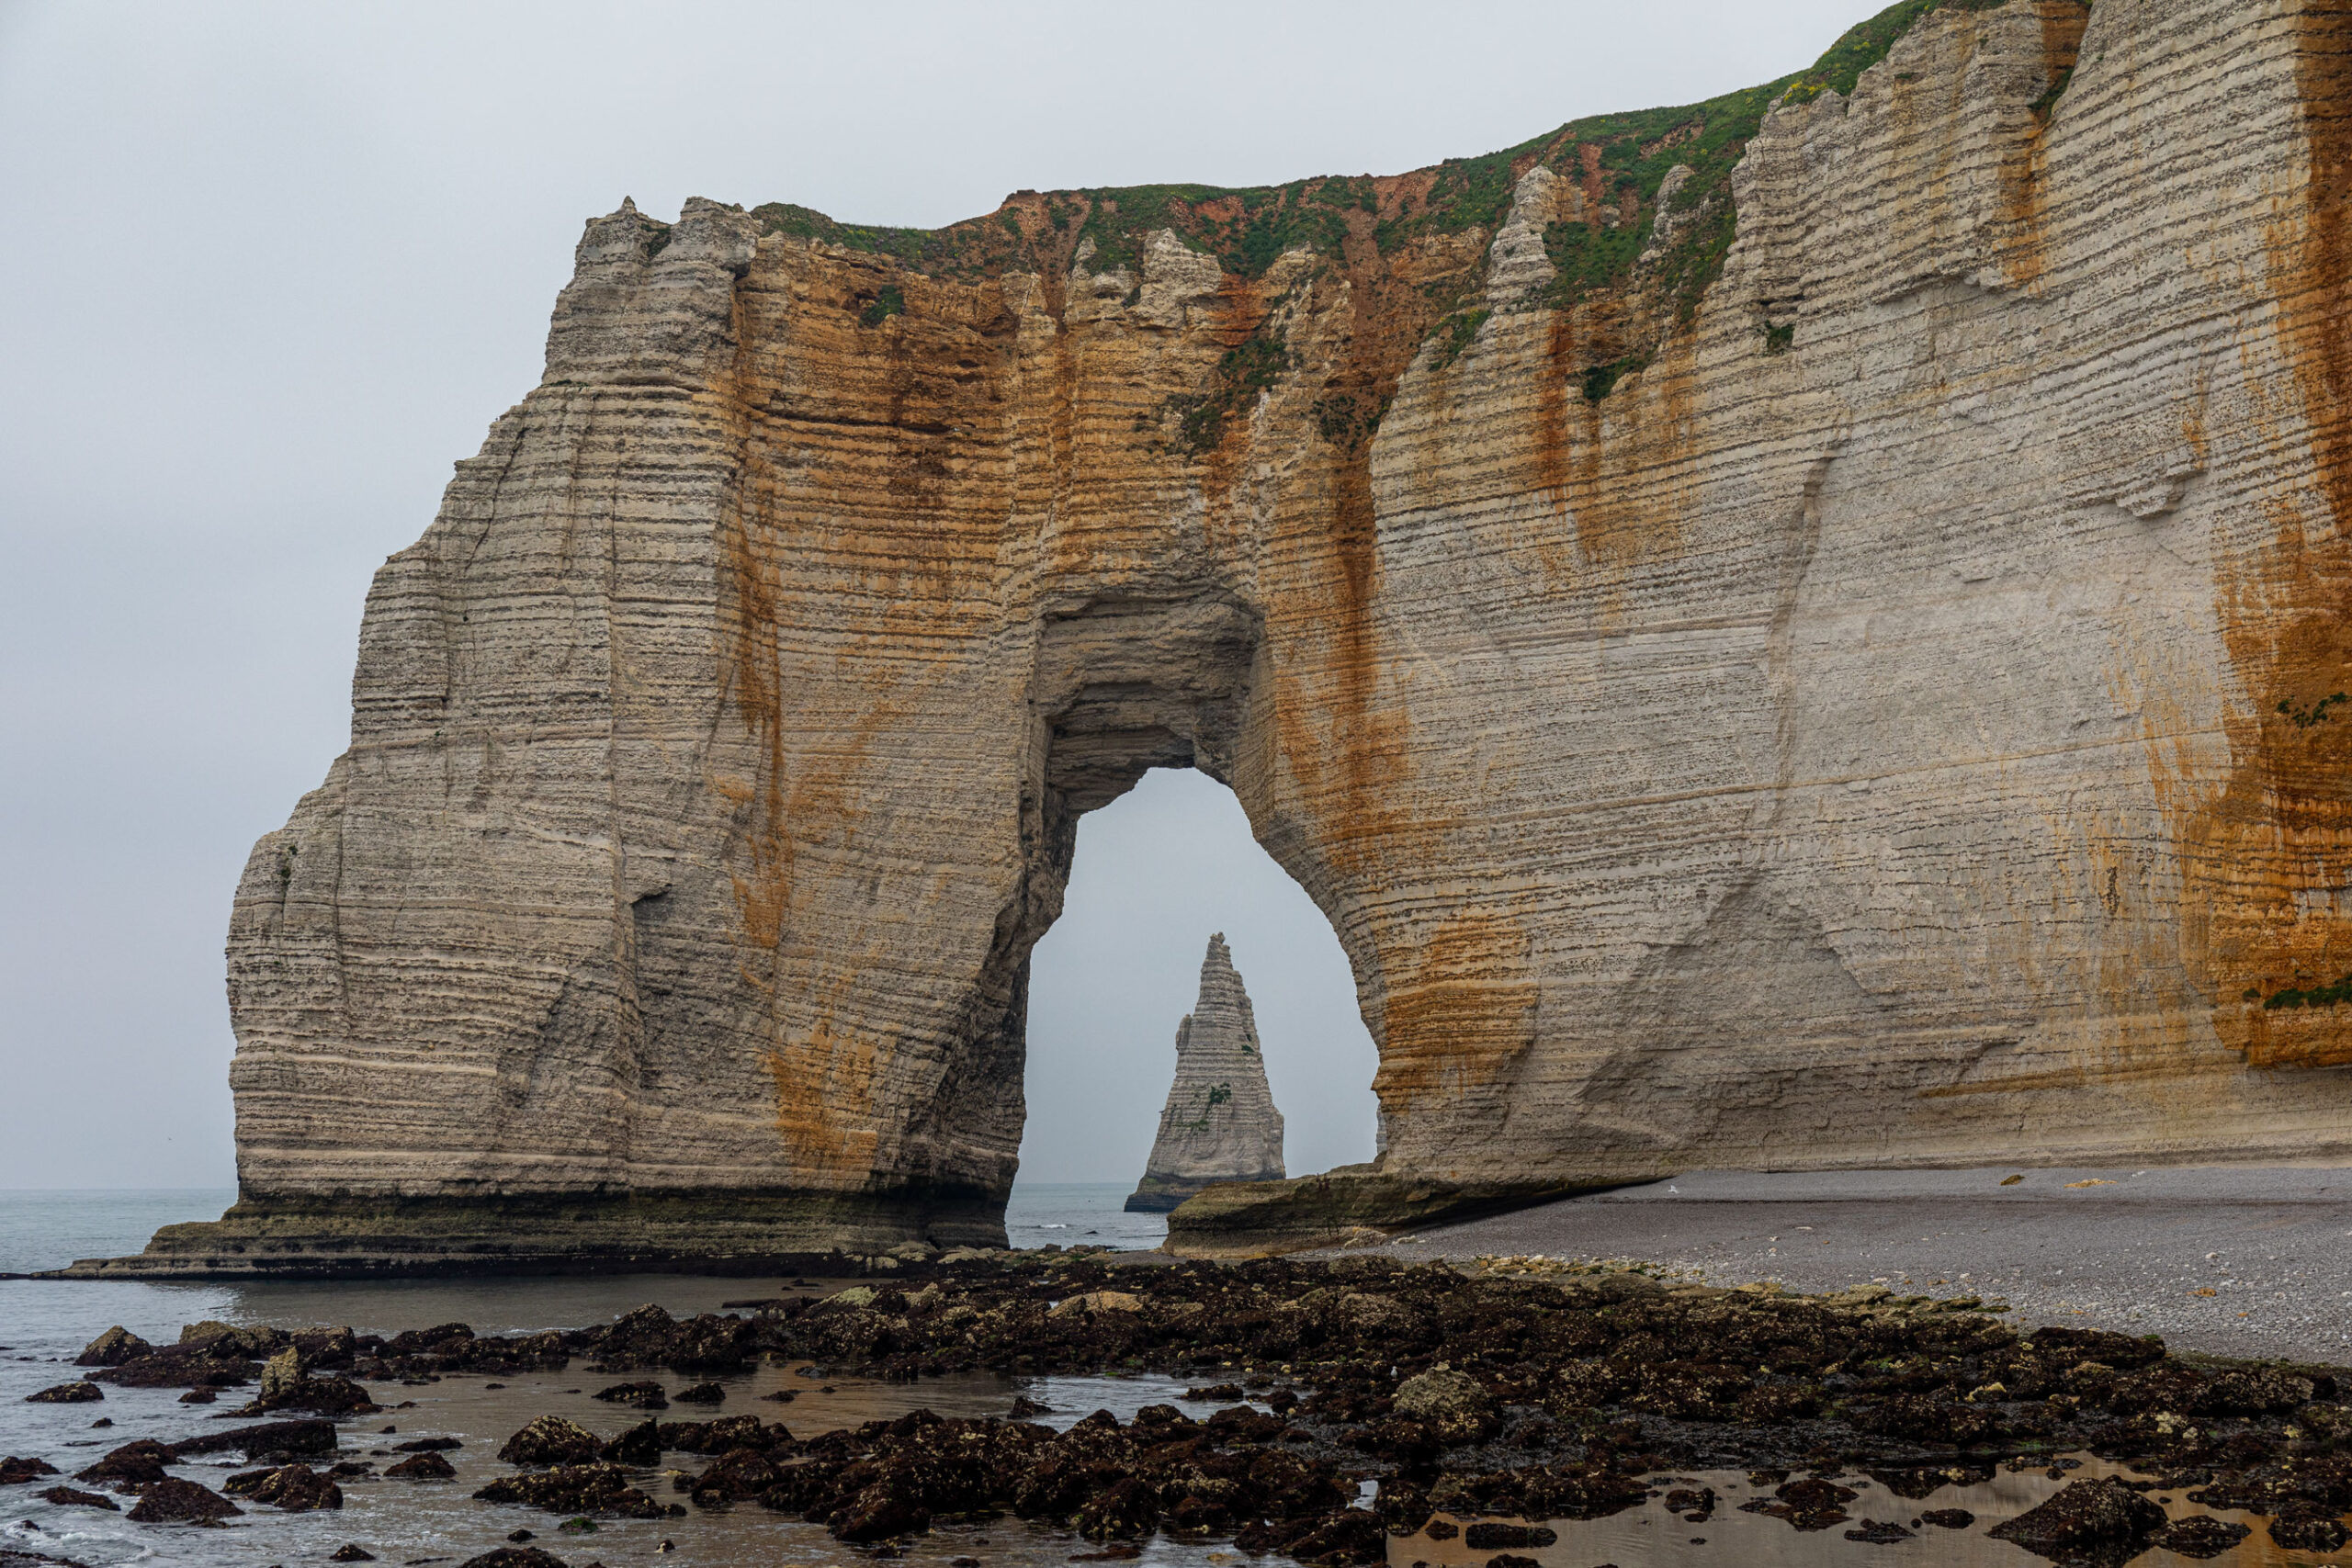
[
  {"x": 345, "y": 1238},
  {"x": 1260, "y": 1219},
  {"x": 1157, "y": 1194}
]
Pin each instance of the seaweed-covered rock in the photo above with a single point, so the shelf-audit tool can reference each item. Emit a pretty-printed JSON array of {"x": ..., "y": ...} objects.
[
  {"x": 296, "y": 1488},
  {"x": 1496, "y": 1536},
  {"x": 66, "y": 1496},
  {"x": 112, "y": 1349},
  {"x": 717, "y": 1436},
  {"x": 1810, "y": 1503},
  {"x": 1442, "y": 1394},
  {"x": 2200, "y": 1536},
  {"x": 131, "y": 1466},
  {"x": 173, "y": 1501},
  {"x": 2100, "y": 1520},
  {"x": 551, "y": 1439},
  {"x": 15, "y": 1471},
  {"x": 640, "y": 1395},
  {"x": 2304, "y": 1526},
  {"x": 298, "y": 1437},
  {"x": 82, "y": 1393},
  {"x": 599, "y": 1489},
  {"x": 515, "y": 1557}
]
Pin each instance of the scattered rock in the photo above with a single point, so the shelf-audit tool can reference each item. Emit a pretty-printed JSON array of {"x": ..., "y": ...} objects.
[
  {"x": 296, "y": 1488},
  {"x": 67, "y": 1393},
  {"x": 352, "y": 1552},
  {"x": 426, "y": 1445},
  {"x": 1490, "y": 1536},
  {"x": 1811, "y": 1503},
  {"x": 300, "y": 1437},
  {"x": 15, "y": 1471},
  {"x": 421, "y": 1467},
  {"x": 130, "y": 1466},
  {"x": 1879, "y": 1532},
  {"x": 642, "y": 1395},
  {"x": 703, "y": 1393},
  {"x": 65, "y": 1497},
  {"x": 1097, "y": 1300},
  {"x": 1948, "y": 1518},
  {"x": 112, "y": 1349},
  {"x": 2200, "y": 1536},
  {"x": 601, "y": 1489},
  {"x": 2306, "y": 1525},
  {"x": 515, "y": 1557},
  {"x": 2086, "y": 1517},
  {"x": 173, "y": 1501},
  {"x": 551, "y": 1439},
  {"x": 1441, "y": 1394}
]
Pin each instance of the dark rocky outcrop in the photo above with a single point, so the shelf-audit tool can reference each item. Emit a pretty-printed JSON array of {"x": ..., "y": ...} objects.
[
  {"x": 601, "y": 1490},
  {"x": 551, "y": 1439},
  {"x": 2101, "y": 1521},
  {"x": 67, "y": 1393},
  {"x": 295, "y": 1488},
  {"x": 173, "y": 1501},
  {"x": 113, "y": 1348}
]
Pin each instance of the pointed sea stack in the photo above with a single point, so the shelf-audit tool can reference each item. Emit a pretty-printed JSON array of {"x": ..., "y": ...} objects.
[{"x": 1219, "y": 1123}]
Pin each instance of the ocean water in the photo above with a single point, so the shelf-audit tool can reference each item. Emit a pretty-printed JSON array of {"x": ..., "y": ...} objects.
[{"x": 1079, "y": 1215}]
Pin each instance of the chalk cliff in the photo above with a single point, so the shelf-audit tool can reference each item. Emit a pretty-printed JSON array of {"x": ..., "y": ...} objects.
[
  {"x": 1219, "y": 1123},
  {"x": 1801, "y": 631}
]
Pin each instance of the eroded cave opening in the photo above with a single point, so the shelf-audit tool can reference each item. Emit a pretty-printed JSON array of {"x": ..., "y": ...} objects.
[
  {"x": 1150, "y": 727},
  {"x": 1155, "y": 872}
]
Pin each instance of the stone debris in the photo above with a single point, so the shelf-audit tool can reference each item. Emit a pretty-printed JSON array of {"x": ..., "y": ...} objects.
[{"x": 1219, "y": 1122}]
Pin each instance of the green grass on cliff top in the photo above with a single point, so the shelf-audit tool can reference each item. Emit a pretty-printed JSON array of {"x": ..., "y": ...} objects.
[{"x": 1247, "y": 229}]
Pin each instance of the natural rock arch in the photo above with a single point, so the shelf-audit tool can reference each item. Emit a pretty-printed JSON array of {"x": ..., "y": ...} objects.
[{"x": 1894, "y": 592}]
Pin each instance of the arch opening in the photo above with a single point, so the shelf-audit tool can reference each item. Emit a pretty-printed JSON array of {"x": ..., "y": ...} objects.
[{"x": 1157, "y": 870}]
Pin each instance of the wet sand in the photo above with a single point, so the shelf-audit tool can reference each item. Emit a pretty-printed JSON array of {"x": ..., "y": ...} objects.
[{"x": 2229, "y": 1260}]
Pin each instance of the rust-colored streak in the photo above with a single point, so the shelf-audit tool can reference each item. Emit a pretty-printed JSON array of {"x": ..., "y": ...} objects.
[
  {"x": 1459, "y": 1011},
  {"x": 2023, "y": 191},
  {"x": 2267, "y": 861}
]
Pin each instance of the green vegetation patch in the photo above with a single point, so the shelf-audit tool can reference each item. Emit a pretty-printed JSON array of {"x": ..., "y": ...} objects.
[
  {"x": 1247, "y": 368},
  {"x": 2305, "y": 717},
  {"x": 1455, "y": 332},
  {"x": 2315, "y": 997},
  {"x": 1619, "y": 160},
  {"x": 891, "y": 302},
  {"x": 1599, "y": 380},
  {"x": 1866, "y": 43}
]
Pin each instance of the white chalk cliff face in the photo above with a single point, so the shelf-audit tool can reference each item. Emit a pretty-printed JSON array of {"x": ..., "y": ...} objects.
[
  {"x": 1825, "y": 657},
  {"x": 1219, "y": 1123}
]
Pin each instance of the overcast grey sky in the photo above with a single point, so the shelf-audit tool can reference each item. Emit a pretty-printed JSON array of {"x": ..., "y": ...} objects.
[{"x": 276, "y": 266}]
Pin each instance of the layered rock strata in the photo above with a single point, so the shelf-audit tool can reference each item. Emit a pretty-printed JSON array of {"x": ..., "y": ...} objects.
[
  {"x": 1219, "y": 1123},
  {"x": 1801, "y": 631}
]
